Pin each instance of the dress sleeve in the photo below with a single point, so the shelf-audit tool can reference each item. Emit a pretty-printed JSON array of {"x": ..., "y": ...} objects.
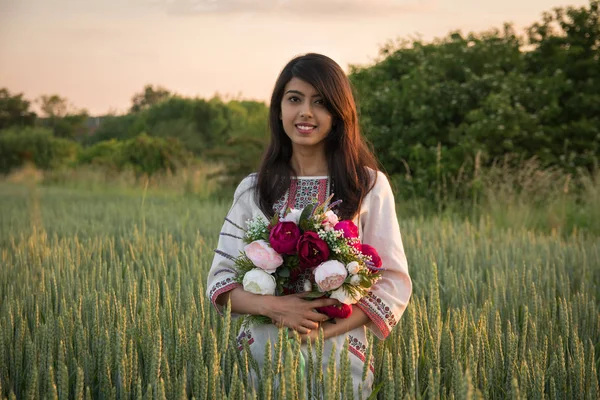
[
  {"x": 221, "y": 277},
  {"x": 388, "y": 298}
]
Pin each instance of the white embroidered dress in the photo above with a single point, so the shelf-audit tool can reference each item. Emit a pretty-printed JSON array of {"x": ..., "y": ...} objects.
[{"x": 378, "y": 227}]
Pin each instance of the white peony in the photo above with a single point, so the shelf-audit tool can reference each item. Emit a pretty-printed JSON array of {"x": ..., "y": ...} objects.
[
  {"x": 343, "y": 297},
  {"x": 355, "y": 280},
  {"x": 353, "y": 267},
  {"x": 258, "y": 281},
  {"x": 330, "y": 275},
  {"x": 292, "y": 216}
]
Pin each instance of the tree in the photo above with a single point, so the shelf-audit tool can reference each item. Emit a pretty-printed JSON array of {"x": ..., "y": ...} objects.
[
  {"x": 149, "y": 97},
  {"x": 62, "y": 117},
  {"x": 14, "y": 110}
]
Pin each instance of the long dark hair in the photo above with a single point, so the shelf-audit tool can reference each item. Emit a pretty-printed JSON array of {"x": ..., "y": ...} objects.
[{"x": 346, "y": 150}]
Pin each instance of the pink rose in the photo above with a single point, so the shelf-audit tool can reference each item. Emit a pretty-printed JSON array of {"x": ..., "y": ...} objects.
[
  {"x": 331, "y": 220},
  {"x": 330, "y": 275},
  {"x": 284, "y": 237},
  {"x": 312, "y": 250},
  {"x": 263, "y": 256},
  {"x": 350, "y": 230},
  {"x": 371, "y": 252}
]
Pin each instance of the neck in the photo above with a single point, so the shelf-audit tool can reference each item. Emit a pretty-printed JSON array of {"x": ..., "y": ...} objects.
[{"x": 307, "y": 162}]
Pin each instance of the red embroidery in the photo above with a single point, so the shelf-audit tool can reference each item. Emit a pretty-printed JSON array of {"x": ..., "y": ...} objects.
[
  {"x": 247, "y": 335},
  {"x": 379, "y": 312},
  {"x": 358, "y": 348},
  {"x": 219, "y": 287}
]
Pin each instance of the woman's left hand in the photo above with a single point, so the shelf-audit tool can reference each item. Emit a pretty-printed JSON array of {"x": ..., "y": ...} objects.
[
  {"x": 338, "y": 326},
  {"x": 314, "y": 334}
]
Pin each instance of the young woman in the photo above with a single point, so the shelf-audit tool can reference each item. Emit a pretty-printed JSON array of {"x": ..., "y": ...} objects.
[{"x": 316, "y": 150}]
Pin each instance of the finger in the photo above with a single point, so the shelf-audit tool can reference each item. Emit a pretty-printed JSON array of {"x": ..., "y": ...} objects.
[
  {"x": 312, "y": 325},
  {"x": 303, "y": 330},
  {"x": 325, "y": 302},
  {"x": 318, "y": 317}
]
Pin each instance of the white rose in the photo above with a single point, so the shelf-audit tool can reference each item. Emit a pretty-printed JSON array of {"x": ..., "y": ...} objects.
[
  {"x": 258, "y": 281},
  {"x": 292, "y": 216},
  {"x": 353, "y": 267},
  {"x": 343, "y": 297},
  {"x": 330, "y": 275},
  {"x": 355, "y": 280}
]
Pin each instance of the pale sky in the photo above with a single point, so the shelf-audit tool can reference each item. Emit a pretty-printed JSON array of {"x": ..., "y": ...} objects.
[{"x": 99, "y": 53}]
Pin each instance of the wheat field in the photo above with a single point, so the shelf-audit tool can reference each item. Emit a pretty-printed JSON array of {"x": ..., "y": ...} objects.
[{"x": 102, "y": 296}]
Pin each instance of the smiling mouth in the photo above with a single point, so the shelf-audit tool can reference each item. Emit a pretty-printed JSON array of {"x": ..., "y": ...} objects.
[{"x": 305, "y": 127}]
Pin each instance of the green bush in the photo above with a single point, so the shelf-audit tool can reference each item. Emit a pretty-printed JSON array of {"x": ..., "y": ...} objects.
[
  {"x": 107, "y": 154},
  {"x": 145, "y": 154},
  {"x": 35, "y": 145}
]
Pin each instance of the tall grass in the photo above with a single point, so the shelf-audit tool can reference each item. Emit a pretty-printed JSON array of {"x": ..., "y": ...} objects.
[{"x": 102, "y": 296}]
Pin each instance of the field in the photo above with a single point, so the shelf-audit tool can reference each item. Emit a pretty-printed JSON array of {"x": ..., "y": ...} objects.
[{"x": 102, "y": 296}]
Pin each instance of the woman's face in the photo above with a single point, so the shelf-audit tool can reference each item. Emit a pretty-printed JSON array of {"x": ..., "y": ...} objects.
[{"x": 306, "y": 120}]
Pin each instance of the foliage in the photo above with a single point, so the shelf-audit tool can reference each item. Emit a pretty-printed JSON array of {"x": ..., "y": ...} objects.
[
  {"x": 14, "y": 110},
  {"x": 432, "y": 109},
  {"x": 145, "y": 154},
  {"x": 35, "y": 145},
  {"x": 149, "y": 97}
]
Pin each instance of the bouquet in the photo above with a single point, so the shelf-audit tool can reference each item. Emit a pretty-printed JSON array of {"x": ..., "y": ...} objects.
[{"x": 307, "y": 250}]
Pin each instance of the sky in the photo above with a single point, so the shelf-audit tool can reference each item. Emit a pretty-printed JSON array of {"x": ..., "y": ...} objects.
[{"x": 99, "y": 53}]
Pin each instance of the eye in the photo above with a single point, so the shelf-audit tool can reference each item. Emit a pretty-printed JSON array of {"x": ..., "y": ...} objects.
[
  {"x": 320, "y": 101},
  {"x": 293, "y": 99}
]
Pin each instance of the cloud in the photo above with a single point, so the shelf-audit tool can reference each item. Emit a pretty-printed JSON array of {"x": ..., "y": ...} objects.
[{"x": 316, "y": 8}]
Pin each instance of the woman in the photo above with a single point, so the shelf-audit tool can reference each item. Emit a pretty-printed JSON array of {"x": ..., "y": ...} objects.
[{"x": 316, "y": 149}]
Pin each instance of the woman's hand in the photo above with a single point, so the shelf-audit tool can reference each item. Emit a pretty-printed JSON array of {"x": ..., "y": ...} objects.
[
  {"x": 294, "y": 312},
  {"x": 338, "y": 327}
]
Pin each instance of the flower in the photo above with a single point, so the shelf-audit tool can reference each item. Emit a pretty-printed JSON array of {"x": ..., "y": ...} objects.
[
  {"x": 343, "y": 297},
  {"x": 349, "y": 229},
  {"x": 292, "y": 216},
  {"x": 341, "y": 311},
  {"x": 258, "y": 281},
  {"x": 355, "y": 280},
  {"x": 330, "y": 275},
  {"x": 371, "y": 252},
  {"x": 331, "y": 219},
  {"x": 353, "y": 267},
  {"x": 312, "y": 250},
  {"x": 307, "y": 285},
  {"x": 263, "y": 256},
  {"x": 284, "y": 237}
]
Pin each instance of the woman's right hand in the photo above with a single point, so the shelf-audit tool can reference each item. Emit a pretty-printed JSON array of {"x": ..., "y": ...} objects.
[{"x": 295, "y": 312}]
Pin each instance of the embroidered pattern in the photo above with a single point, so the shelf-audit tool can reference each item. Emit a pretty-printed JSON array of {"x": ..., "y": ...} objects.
[
  {"x": 379, "y": 312},
  {"x": 222, "y": 286},
  {"x": 245, "y": 335},
  {"x": 358, "y": 348},
  {"x": 303, "y": 192}
]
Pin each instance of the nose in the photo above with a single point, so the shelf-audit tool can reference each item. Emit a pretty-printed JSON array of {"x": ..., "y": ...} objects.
[{"x": 306, "y": 111}]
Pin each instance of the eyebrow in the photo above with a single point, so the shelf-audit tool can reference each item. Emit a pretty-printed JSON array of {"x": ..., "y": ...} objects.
[{"x": 300, "y": 93}]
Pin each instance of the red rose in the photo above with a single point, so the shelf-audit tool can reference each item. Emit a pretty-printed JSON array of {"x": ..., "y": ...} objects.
[
  {"x": 341, "y": 311},
  {"x": 375, "y": 259},
  {"x": 312, "y": 250},
  {"x": 350, "y": 230},
  {"x": 284, "y": 237}
]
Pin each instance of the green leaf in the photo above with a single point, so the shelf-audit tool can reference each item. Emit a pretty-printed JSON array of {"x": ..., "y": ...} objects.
[
  {"x": 313, "y": 295},
  {"x": 283, "y": 272},
  {"x": 306, "y": 212},
  {"x": 275, "y": 219}
]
